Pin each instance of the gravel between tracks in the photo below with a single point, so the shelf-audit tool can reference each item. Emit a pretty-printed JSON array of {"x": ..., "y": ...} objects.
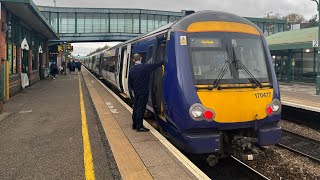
[
  {"x": 287, "y": 165},
  {"x": 300, "y": 129}
]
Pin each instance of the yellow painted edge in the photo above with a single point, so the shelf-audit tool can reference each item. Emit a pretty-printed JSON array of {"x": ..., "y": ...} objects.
[
  {"x": 222, "y": 26},
  {"x": 87, "y": 154}
]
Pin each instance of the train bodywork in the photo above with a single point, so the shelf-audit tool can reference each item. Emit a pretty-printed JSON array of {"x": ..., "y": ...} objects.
[{"x": 199, "y": 109}]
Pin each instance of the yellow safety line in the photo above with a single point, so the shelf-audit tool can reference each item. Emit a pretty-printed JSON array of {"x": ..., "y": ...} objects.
[{"x": 87, "y": 154}]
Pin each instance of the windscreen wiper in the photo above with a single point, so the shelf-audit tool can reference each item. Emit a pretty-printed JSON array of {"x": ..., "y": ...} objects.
[
  {"x": 243, "y": 67},
  {"x": 222, "y": 73}
]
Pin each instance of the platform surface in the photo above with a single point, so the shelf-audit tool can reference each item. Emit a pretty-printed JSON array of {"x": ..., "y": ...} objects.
[
  {"x": 300, "y": 96},
  {"x": 43, "y": 136},
  {"x": 139, "y": 155}
]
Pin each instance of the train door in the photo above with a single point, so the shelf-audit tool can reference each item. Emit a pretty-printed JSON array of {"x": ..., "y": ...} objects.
[
  {"x": 120, "y": 69},
  {"x": 126, "y": 67},
  {"x": 100, "y": 63},
  {"x": 157, "y": 89}
]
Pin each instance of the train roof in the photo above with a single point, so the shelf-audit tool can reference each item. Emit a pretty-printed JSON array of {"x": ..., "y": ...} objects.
[{"x": 184, "y": 23}]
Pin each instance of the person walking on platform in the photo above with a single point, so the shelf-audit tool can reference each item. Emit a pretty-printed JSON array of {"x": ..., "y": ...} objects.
[
  {"x": 78, "y": 65},
  {"x": 69, "y": 66},
  {"x": 139, "y": 79},
  {"x": 53, "y": 70},
  {"x": 73, "y": 66}
]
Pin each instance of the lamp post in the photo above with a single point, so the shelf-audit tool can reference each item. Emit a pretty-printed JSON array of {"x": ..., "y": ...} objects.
[{"x": 317, "y": 55}]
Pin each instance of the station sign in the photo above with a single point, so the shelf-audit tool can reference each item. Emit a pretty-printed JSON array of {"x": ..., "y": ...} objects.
[
  {"x": 69, "y": 47},
  {"x": 315, "y": 43}
]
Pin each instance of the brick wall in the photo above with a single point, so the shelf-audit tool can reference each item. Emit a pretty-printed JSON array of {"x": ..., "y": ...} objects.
[
  {"x": 2, "y": 34},
  {"x": 2, "y": 54}
]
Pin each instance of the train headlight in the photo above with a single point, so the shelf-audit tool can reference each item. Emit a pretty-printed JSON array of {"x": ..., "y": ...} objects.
[
  {"x": 198, "y": 112},
  {"x": 274, "y": 107}
]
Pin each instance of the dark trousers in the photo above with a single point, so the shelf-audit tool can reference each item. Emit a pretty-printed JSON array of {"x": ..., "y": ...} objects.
[{"x": 139, "y": 107}]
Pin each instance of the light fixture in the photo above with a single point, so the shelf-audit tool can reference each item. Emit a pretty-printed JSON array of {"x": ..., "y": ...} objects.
[
  {"x": 307, "y": 50},
  {"x": 273, "y": 57}
]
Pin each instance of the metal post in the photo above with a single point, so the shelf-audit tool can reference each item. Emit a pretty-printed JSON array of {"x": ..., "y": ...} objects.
[
  {"x": 65, "y": 58},
  {"x": 318, "y": 58}
]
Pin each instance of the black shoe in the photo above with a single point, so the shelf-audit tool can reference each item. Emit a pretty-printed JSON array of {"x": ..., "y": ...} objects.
[
  {"x": 134, "y": 127},
  {"x": 143, "y": 129}
]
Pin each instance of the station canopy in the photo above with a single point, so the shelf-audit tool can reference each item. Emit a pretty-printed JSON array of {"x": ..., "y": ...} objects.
[
  {"x": 296, "y": 39},
  {"x": 29, "y": 13}
]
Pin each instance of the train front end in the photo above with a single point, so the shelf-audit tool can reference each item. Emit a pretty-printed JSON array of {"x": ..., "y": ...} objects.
[{"x": 220, "y": 87}]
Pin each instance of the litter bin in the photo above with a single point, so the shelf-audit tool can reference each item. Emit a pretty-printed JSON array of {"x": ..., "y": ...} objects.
[{"x": 46, "y": 72}]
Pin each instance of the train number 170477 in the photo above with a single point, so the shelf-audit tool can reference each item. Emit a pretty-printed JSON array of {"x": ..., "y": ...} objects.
[{"x": 263, "y": 95}]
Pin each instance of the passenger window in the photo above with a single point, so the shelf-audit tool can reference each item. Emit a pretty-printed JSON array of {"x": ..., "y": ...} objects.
[{"x": 150, "y": 53}]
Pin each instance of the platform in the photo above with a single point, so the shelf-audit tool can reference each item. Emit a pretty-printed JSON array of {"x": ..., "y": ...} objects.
[
  {"x": 300, "y": 96},
  {"x": 75, "y": 128}
]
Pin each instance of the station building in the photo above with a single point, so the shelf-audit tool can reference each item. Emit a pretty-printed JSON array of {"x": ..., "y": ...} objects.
[
  {"x": 24, "y": 35},
  {"x": 294, "y": 56}
]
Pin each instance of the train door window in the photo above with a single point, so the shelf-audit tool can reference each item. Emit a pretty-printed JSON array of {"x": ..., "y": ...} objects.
[
  {"x": 158, "y": 77},
  {"x": 144, "y": 58},
  {"x": 150, "y": 54}
]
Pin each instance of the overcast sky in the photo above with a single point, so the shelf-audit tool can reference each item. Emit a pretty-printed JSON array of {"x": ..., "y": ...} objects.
[{"x": 247, "y": 8}]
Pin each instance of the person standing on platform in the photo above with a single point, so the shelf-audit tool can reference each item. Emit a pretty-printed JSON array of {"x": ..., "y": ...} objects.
[
  {"x": 139, "y": 79},
  {"x": 79, "y": 64},
  {"x": 69, "y": 66},
  {"x": 53, "y": 70},
  {"x": 73, "y": 66}
]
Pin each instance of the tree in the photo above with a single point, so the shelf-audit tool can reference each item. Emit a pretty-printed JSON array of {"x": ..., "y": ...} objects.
[
  {"x": 273, "y": 16},
  {"x": 294, "y": 18},
  {"x": 99, "y": 49},
  {"x": 313, "y": 19}
]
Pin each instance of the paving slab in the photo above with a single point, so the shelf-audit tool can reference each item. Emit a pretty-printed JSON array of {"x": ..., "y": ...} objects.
[{"x": 42, "y": 139}]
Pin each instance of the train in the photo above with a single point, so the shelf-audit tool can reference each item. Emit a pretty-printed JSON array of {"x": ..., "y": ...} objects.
[{"x": 217, "y": 92}]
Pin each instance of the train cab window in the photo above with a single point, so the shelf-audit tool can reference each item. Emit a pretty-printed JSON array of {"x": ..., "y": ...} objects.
[{"x": 150, "y": 54}]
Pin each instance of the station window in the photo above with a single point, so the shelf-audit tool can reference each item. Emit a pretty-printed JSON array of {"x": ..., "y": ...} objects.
[
  {"x": 10, "y": 57},
  {"x": 150, "y": 22},
  {"x": 113, "y": 23},
  {"x": 120, "y": 23},
  {"x": 128, "y": 23},
  {"x": 136, "y": 23},
  {"x": 80, "y": 23},
  {"x": 34, "y": 67},
  {"x": 144, "y": 23}
]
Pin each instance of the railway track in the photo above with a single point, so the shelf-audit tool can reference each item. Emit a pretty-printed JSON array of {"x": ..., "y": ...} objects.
[
  {"x": 301, "y": 145},
  {"x": 229, "y": 169}
]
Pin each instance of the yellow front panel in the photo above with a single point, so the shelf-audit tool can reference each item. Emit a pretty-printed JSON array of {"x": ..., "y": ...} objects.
[
  {"x": 222, "y": 26},
  {"x": 237, "y": 105}
]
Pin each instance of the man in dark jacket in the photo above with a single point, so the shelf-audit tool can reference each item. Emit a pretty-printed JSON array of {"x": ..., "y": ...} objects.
[
  {"x": 139, "y": 79},
  {"x": 53, "y": 69}
]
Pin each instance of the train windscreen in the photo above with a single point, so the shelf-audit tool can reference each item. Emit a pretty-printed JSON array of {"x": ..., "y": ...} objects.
[{"x": 232, "y": 58}]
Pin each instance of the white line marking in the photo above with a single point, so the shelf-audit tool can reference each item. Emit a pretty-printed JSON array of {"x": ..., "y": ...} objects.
[
  {"x": 310, "y": 108},
  {"x": 111, "y": 107},
  {"x": 182, "y": 158},
  {"x": 22, "y": 112}
]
